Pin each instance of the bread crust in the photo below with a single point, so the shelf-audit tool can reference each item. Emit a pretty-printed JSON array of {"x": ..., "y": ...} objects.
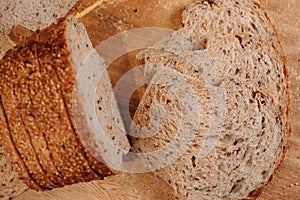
[
  {"x": 280, "y": 52},
  {"x": 15, "y": 68},
  {"x": 12, "y": 153},
  {"x": 38, "y": 81}
]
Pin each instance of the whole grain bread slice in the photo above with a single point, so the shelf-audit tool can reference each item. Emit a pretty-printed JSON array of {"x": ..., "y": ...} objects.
[
  {"x": 72, "y": 47},
  {"x": 251, "y": 137},
  {"x": 49, "y": 129},
  {"x": 66, "y": 155},
  {"x": 34, "y": 15},
  {"x": 247, "y": 142},
  {"x": 64, "y": 47},
  {"x": 44, "y": 95}
]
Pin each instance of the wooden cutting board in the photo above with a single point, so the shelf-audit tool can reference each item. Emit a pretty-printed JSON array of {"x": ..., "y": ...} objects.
[{"x": 104, "y": 19}]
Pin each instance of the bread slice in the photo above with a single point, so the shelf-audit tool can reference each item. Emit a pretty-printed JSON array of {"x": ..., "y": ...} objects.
[
  {"x": 72, "y": 47},
  {"x": 34, "y": 15},
  {"x": 227, "y": 56},
  {"x": 241, "y": 150},
  {"x": 33, "y": 116},
  {"x": 67, "y": 156},
  {"x": 244, "y": 142}
]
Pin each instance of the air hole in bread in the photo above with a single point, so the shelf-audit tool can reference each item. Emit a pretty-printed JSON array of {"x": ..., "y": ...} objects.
[
  {"x": 253, "y": 26},
  {"x": 229, "y": 13},
  {"x": 236, "y": 167},
  {"x": 264, "y": 174},
  {"x": 237, "y": 71},
  {"x": 237, "y": 186},
  {"x": 262, "y": 119},
  {"x": 194, "y": 161},
  {"x": 202, "y": 44},
  {"x": 237, "y": 141},
  {"x": 240, "y": 40}
]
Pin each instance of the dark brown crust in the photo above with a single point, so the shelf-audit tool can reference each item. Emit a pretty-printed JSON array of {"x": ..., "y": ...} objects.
[
  {"x": 54, "y": 112},
  {"x": 33, "y": 118},
  {"x": 256, "y": 193},
  {"x": 12, "y": 153},
  {"x": 15, "y": 68}
]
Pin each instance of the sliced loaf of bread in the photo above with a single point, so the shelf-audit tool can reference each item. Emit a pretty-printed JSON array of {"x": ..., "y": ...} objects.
[{"x": 44, "y": 83}]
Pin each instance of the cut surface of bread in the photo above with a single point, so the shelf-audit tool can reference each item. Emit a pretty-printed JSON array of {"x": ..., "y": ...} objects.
[
  {"x": 236, "y": 153},
  {"x": 33, "y": 14},
  {"x": 205, "y": 17},
  {"x": 92, "y": 99}
]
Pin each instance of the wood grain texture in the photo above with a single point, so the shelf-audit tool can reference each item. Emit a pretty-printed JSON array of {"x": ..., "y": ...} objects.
[
  {"x": 107, "y": 19},
  {"x": 5, "y": 45},
  {"x": 121, "y": 187}
]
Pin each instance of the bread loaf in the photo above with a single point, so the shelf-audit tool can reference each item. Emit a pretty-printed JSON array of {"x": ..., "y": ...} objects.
[
  {"x": 239, "y": 139},
  {"x": 49, "y": 135},
  {"x": 33, "y": 14}
]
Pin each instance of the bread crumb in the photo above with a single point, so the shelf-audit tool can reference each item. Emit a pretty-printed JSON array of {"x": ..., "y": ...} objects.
[{"x": 297, "y": 184}]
